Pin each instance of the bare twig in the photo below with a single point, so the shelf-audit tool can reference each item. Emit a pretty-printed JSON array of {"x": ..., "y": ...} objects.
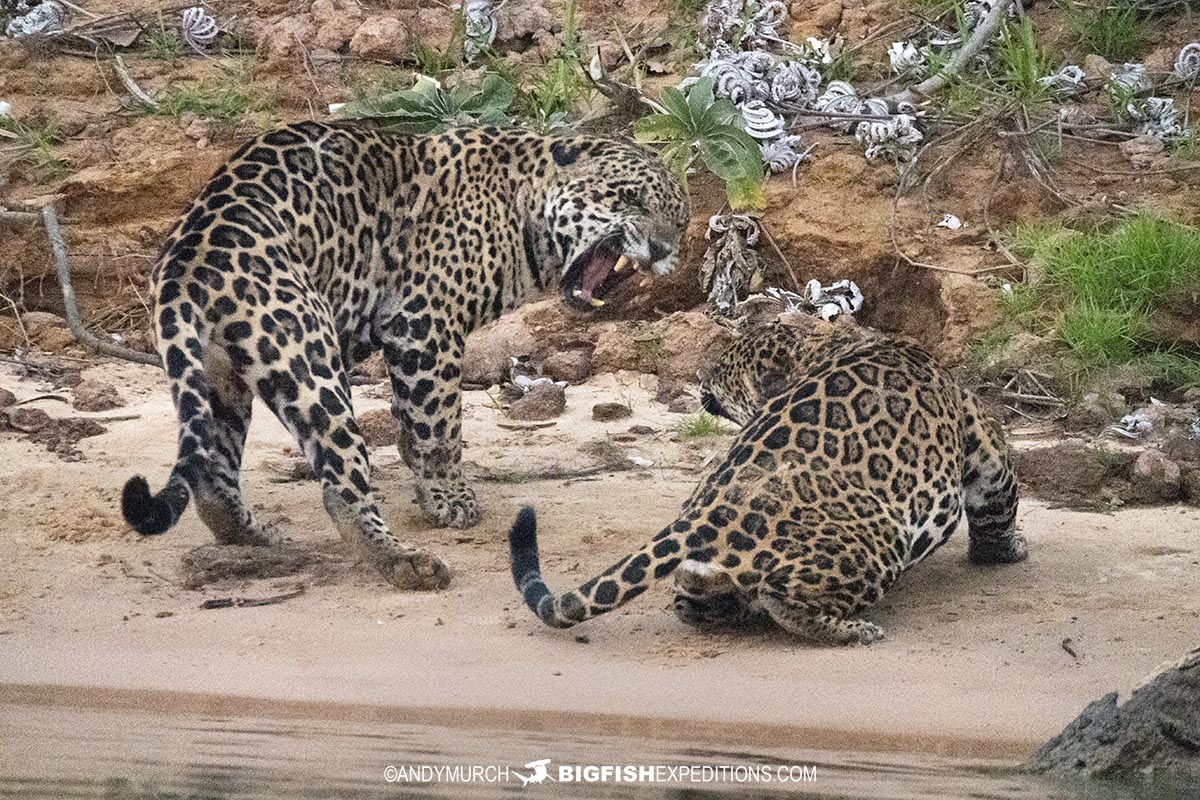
[
  {"x": 127, "y": 79},
  {"x": 59, "y": 247},
  {"x": 771, "y": 241},
  {"x": 962, "y": 57}
]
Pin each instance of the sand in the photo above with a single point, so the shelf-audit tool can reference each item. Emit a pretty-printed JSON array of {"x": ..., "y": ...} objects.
[{"x": 975, "y": 660}]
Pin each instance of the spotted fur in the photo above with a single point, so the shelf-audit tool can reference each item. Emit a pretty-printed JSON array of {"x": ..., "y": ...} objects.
[
  {"x": 316, "y": 245},
  {"x": 859, "y": 456}
]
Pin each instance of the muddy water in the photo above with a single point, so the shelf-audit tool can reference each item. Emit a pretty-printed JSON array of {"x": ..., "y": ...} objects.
[{"x": 65, "y": 748}]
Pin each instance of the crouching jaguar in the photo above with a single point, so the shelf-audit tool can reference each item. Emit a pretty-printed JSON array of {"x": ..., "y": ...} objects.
[
  {"x": 858, "y": 457},
  {"x": 317, "y": 244}
]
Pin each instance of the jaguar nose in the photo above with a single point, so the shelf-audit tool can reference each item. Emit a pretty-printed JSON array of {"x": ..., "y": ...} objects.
[{"x": 659, "y": 250}]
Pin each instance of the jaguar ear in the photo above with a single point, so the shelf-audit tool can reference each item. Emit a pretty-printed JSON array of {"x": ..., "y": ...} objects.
[{"x": 771, "y": 382}]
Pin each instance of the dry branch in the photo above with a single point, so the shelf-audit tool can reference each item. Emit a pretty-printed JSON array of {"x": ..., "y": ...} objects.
[
  {"x": 982, "y": 34},
  {"x": 59, "y": 247}
]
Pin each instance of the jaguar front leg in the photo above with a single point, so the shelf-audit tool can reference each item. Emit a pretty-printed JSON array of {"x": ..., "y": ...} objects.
[{"x": 427, "y": 403}]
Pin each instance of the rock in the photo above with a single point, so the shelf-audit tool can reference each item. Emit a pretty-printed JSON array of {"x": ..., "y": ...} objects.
[
  {"x": 1182, "y": 445},
  {"x": 971, "y": 308},
  {"x": 1096, "y": 68},
  {"x": 7, "y": 398},
  {"x": 336, "y": 22},
  {"x": 372, "y": 367},
  {"x": 572, "y": 366},
  {"x": 489, "y": 350},
  {"x": 690, "y": 339},
  {"x": 615, "y": 348},
  {"x": 283, "y": 38},
  {"x": 38, "y": 324},
  {"x": 96, "y": 396},
  {"x": 543, "y": 401},
  {"x": 1144, "y": 152},
  {"x": 394, "y": 37},
  {"x": 1096, "y": 410},
  {"x": 1154, "y": 479},
  {"x": 29, "y": 420},
  {"x": 1069, "y": 472},
  {"x": 607, "y": 412},
  {"x": 1189, "y": 485},
  {"x": 1161, "y": 59},
  {"x": 524, "y": 24},
  {"x": 380, "y": 36},
  {"x": 1192, "y": 396},
  {"x": 1156, "y": 729},
  {"x": 684, "y": 404},
  {"x": 378, "y": 427},
  {"x": 1023, "y": 349}
]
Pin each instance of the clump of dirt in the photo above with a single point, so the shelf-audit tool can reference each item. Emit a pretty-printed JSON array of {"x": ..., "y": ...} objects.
[
  {"x": 93, "y": 395},
  {"x": 323, "y": 562},
  {"x": 58, "y": 434}
]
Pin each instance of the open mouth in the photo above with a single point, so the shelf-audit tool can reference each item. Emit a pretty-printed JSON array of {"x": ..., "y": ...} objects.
[{"x": 602, "y": 274}]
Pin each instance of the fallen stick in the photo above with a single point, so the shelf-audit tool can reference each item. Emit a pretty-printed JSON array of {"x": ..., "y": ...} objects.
[
  {"x": 59, "y": 247},
  {"x": 962, "y": 56},
  {"x": 249, "y": 602}
]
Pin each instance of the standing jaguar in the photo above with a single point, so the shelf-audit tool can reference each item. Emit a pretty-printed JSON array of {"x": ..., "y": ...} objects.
[
  {"x": 317, "y": 245},
  {"x": 859, "y": 456}
]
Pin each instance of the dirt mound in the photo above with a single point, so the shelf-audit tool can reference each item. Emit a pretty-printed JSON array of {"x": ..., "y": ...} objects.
[{"x": 321, "y": 562}]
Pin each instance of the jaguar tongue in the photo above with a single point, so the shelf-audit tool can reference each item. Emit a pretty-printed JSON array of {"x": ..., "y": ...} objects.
[{"x": 594, "y": 273}]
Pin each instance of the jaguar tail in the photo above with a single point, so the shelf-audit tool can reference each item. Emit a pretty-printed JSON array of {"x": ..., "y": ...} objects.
[
  {"x": 614, "y": 587},
  {"x": 151, "y": 514}
]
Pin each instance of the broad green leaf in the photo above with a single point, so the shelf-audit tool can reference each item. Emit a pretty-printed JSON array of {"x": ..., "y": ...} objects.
[
  {"x": 676, "y": 105},
  {"x": 657, "y": 128},
  {"x": 700, "y": 99},
  {"x": 746, "y": 194}
]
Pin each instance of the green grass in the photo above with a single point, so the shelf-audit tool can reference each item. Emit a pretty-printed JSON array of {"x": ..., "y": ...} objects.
[
  {"x": 1021, "y": 63},
  {"x": 227, "y": 101},
  {"x": 1098, "y": 290},
  {"x": 560, "y": 85},
  {"x": 1174, "y": 368},
  {"x": 702, "y": 423},
  {"x": 1115, "y": 31},
  {"x": 1130, "y": 267},
  {"x": 35, "y": 145},
  {"x": 163, "y": 42}
]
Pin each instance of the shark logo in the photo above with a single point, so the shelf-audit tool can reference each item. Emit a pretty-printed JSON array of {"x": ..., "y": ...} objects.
[{"x": 539, "y": 774}]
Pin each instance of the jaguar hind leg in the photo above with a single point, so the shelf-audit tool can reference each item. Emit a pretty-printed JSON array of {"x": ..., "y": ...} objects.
[
  {"x": 989, "y": 491},
  {"x": 427, "y": 403},
  {"x": 218, "y": 492},
  {"x": 706, "y": 598},
  {"x": 814, "y": 622},
  {"x": 315, "y": 407},
  {"x": 827, "y": 579}
]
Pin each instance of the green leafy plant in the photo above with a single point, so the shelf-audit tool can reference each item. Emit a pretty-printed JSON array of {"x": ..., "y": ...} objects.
[
  {"x": 700, "y": 424},
  {"x": 428, "y": 107},
  {"x": 697, "y": 126}
]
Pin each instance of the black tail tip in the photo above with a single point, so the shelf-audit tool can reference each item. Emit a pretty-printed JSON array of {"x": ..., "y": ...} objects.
[
  {"x": 523, "y": 534},
  {"x": 141, "y": 510}
]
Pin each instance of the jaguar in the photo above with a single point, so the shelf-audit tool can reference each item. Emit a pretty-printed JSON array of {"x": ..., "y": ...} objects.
[
  {"x": 858, "y": 456},
  {"x": 317, "y": 245}
]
